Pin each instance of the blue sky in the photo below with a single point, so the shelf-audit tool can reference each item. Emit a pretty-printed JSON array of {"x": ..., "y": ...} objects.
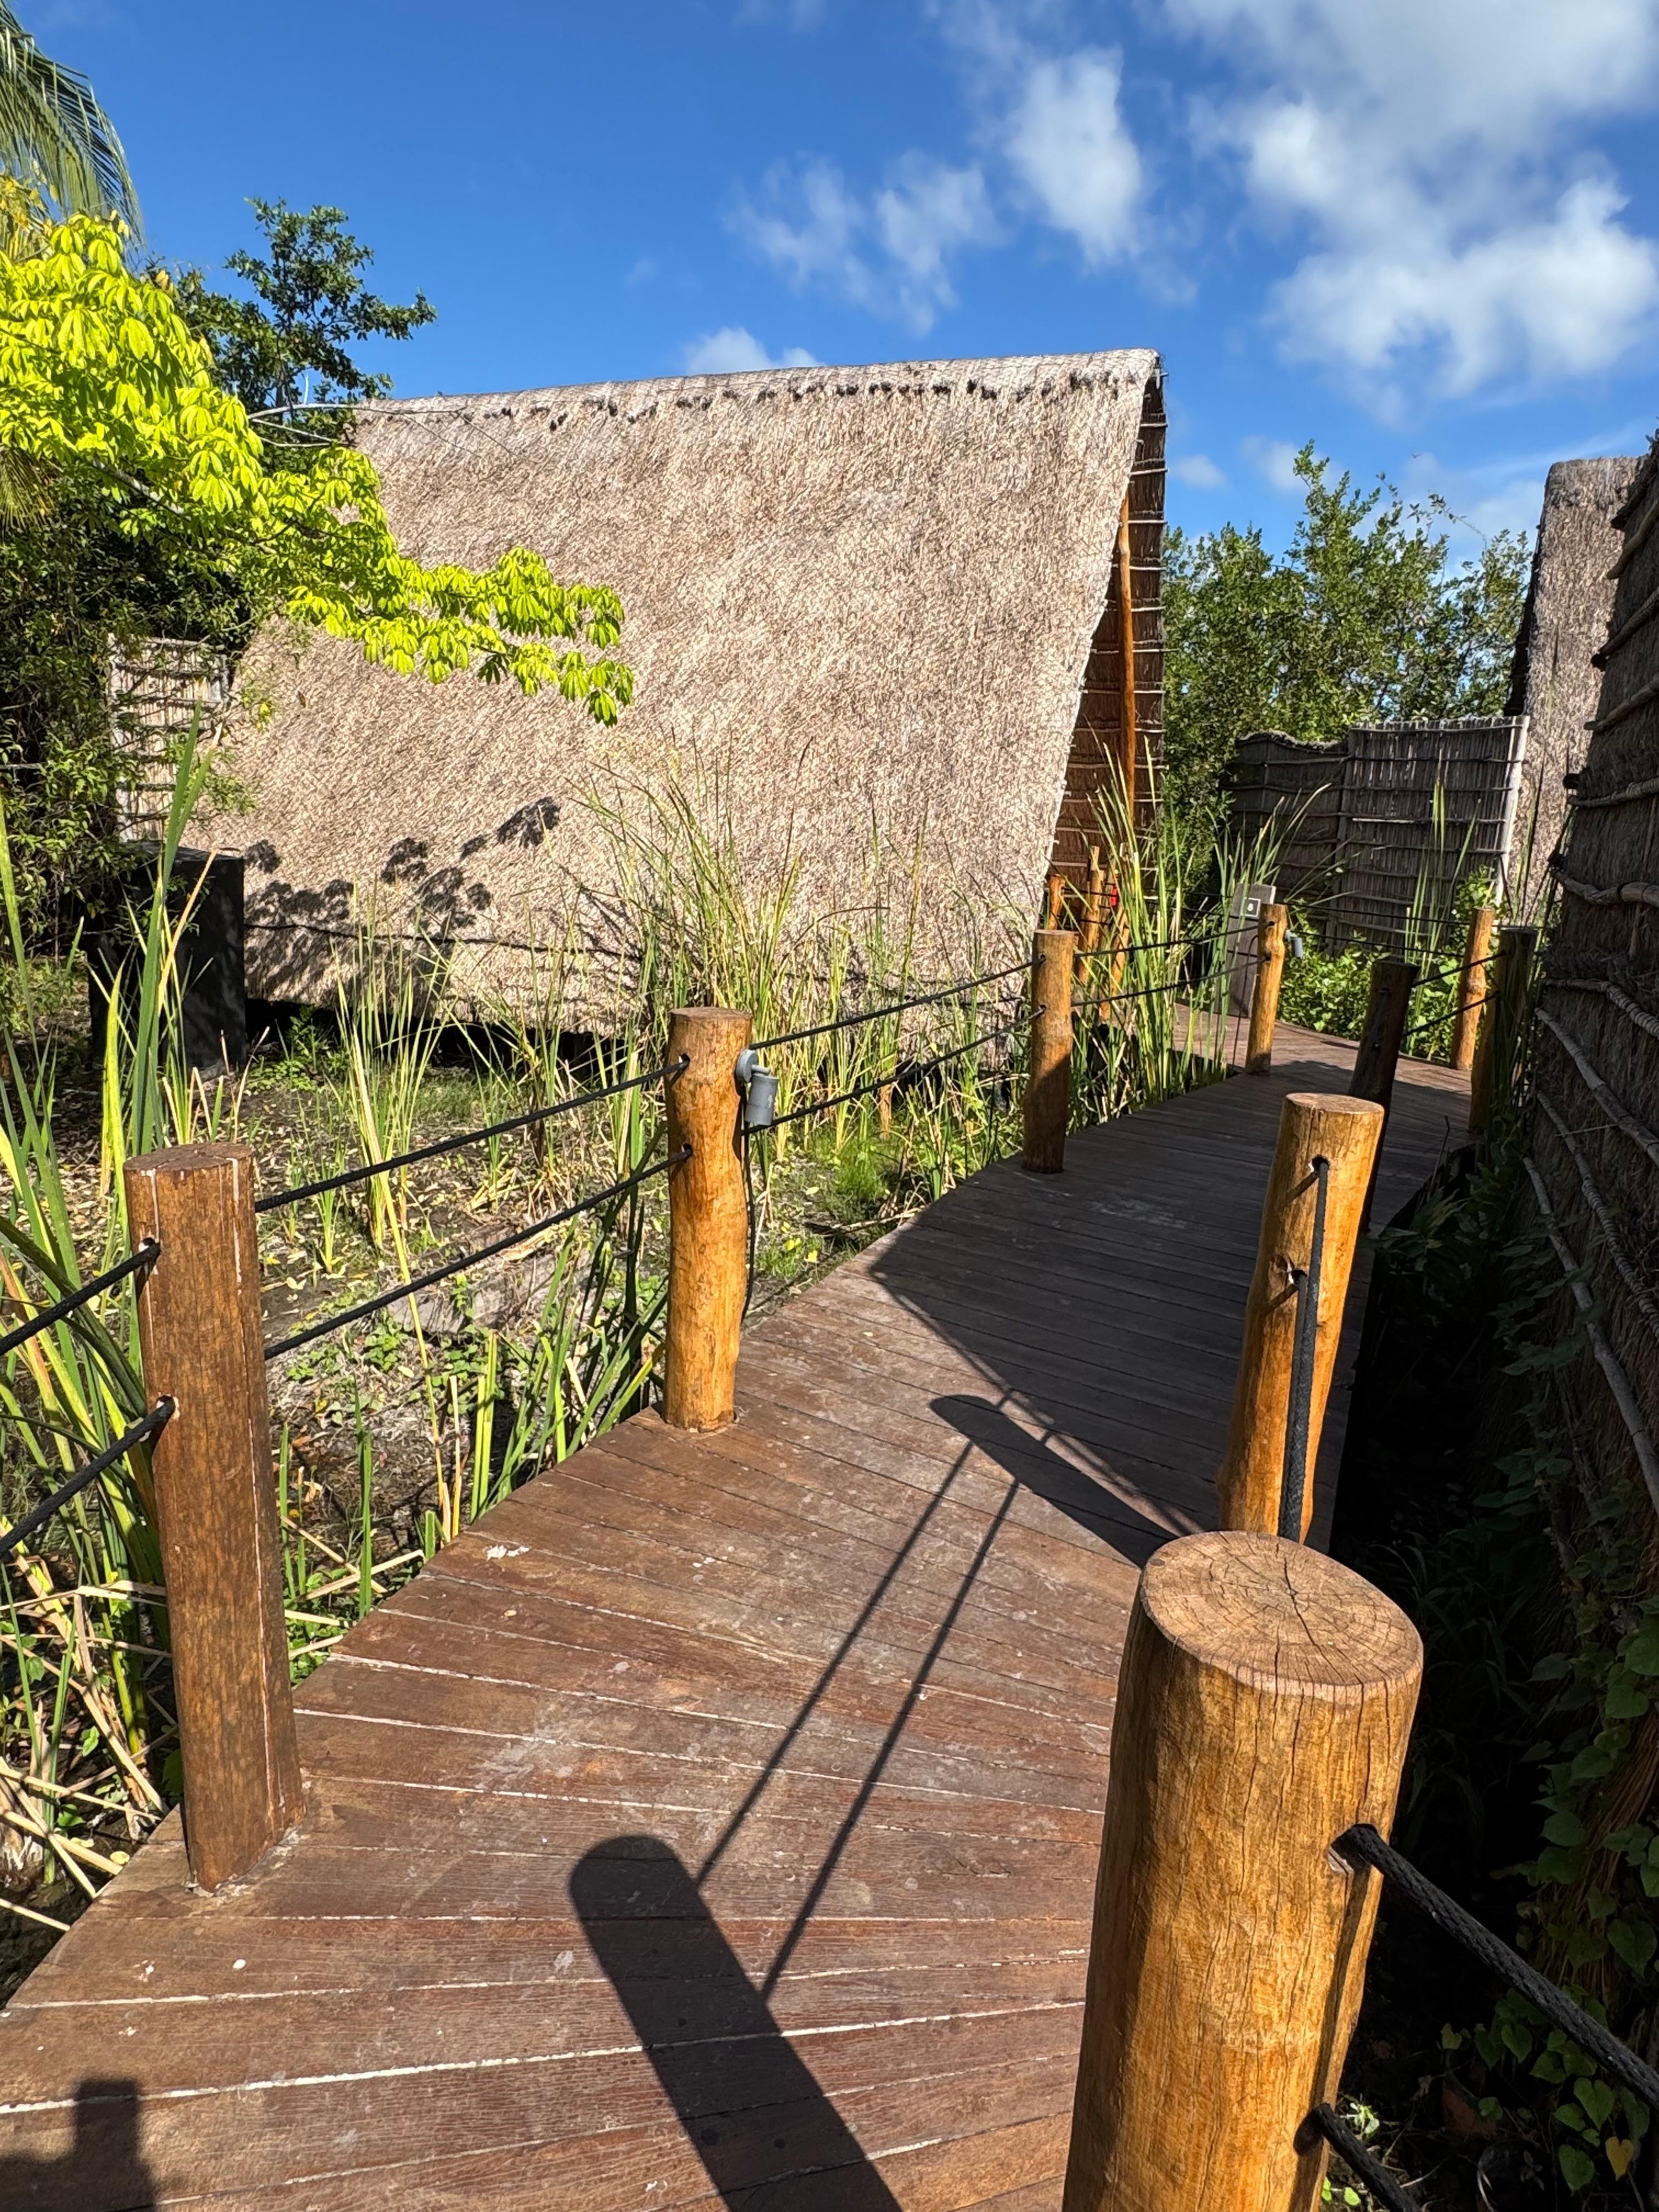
[{"x": 1423, "y": 233}]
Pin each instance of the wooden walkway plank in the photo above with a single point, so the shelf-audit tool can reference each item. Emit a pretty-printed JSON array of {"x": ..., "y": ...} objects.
[{"x": 714, "y": 1824}]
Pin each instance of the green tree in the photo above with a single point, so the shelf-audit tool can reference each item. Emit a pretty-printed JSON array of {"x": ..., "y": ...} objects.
[
  {"x": 286, "y": 344},
  {"x": 166, "y": 510},
  {"x": 54, "y": 137},
  {"x": 1363, "y": 619}
]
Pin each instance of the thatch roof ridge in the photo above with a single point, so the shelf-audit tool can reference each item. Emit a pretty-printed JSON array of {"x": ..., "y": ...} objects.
[{"x": 994, "y": 377}]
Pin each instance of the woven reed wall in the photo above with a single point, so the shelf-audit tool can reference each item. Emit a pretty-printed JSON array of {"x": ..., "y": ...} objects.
[
  {"x": 1366, "y": 838},
  {"x": 157, "y": 695},
  {"x": 1595, "y": 1133},
  {"x": 1274, "y": 778}
]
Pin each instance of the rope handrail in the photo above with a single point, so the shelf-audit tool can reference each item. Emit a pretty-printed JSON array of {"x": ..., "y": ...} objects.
[
  {"x": 140, "y": 1257},
  {"x": 1362, "y": 1846},
  {"x": 897, "y": 1007},
  {"x": 277, "y": 1199},
  {"x": 895, "y": 1075},
  {"x": 1325, "y": 2120},
  {"x": 147, "y": 1426},
  {"x": 457, "y": 1267}
]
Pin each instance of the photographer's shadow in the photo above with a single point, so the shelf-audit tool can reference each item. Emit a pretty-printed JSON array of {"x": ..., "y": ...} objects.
[
  {"x": 102, "y": 2171},
  {"x": 767, "y": 2134}
]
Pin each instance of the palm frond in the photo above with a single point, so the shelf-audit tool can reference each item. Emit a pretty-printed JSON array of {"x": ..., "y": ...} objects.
[{"x": 54, "y": 134}]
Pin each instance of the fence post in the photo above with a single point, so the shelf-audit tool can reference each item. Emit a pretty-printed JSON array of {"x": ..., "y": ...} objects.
[
  {"x": 215, "y": 1503},
  {"x": 1501, "y": 1027},
  {"x": 1055, "y": 899},
  {"x": 708, "y": 1219},
  {"x": 1270, "y": 928},
  {"x": 1094, "y": 909},
  {"x": 1347, "y": 1133},
  {"x": 1387, "y": 1010},
  {"x": 1263, "y": 1707},
  {"x": 1472, "y": 986},
  {"x": 1048, "y": 1104}
]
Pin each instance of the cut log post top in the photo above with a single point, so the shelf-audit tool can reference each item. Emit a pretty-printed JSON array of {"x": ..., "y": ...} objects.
[
  {"x": 1270, "y": 931},
  {"x": 1047, "y": 1100},
  {"x": 215, "y": 1503},
  {"x": 1347, "y": 1133},
  {"x": 1264, "y": 1705},
  {"x": 708, "y": 1218}
]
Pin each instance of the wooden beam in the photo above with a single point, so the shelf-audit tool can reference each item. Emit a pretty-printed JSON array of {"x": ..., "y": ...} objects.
[
  {"x": 1270, "y": 926},
  {"x": 1048, "y": 1103}
]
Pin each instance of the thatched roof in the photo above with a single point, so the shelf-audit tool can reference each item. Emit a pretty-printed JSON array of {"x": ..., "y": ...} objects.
[
  {"x": 1554, "y": 683},
  {"x": 856, "y": 597}
]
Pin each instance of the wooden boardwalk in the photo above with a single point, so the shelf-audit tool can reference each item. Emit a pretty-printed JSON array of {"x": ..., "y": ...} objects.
[{"x": 715, "y": 1824}]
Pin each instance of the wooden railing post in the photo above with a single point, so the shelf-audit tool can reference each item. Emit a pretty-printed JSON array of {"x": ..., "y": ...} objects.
[
  {"x": 708, "y": 1219},
  {"x": 1346, "y": 1131},
  {"x": 1387, "y": 1010},
  {"x": 215, "y": 1503},
  {"x": 1054, "y": 898},
  {"x": 1263, "y": 1708},
  {"x": 1048, "y": 1104},
  {"x": 1472, "y": 986},
  {"x": 1270, "y": 926},
  {"x": 1094, "y": 909},
  {"x": 1505, "y": 1019}
]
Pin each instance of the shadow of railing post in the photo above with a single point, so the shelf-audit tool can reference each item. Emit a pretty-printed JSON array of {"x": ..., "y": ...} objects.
[
  {"x": 749, "y": 2103},
  {"x": 102, "y": 2171}
]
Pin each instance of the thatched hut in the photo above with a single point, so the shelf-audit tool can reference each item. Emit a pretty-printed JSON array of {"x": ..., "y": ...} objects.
[
  {"x": 861, "y": 603},
  {"x": 1595, "y": 1129},
  {"x": 1553, "y": 683}
]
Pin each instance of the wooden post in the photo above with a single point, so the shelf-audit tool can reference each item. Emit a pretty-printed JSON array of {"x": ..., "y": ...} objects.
[
  {"x": 1505, "y": 1019},
  {"x": 1126, "y": 600},
  {"x": 1270, "y": 928},
  {"x": 1386, "y": 1012},
  {"x": 1347, "y": 1133},
  {"x": 1054, "y": 900},
  {"x": 1263, "y": 1708},
  {"x": 1472, "y": 986},
  {"x": 1094, "y": 911},
  {"x": 1048, "y": 1103},
  {"x": 708, "y": 1219},
  {"x": 215, "y": 1503}
]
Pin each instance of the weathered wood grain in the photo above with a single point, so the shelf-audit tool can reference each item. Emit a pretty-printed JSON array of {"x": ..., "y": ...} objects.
[{"x": 793, "y": 1729}]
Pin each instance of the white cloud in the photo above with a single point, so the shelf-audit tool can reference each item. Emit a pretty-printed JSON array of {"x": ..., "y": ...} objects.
[
  {"x": 1432, "y": 153},
  {"x": 1066, "y": 140},
  {"x": 724, "y": 352},
  {"x": 1199, "y": 471},
  {"x": 1273, "y": 460},
  {"x": 888, "y": 254}
]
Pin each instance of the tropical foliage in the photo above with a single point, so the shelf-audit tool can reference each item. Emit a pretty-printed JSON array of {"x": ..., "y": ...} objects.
[{"x": 1364, "y": 618}]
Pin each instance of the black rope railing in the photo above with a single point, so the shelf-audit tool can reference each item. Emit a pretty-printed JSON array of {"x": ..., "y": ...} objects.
[
  {"x": 441, "y": 1145},
  {"x": 906, "y": 1073},
  {"x": 1363, "y": 1846},
  {"x": 147, "y": 1426},
  {"x": 457, "y": 1267},
  {"x": 1298, "y": 1420},
  {"x": 139, "y": 1258},
  {"x": 1325, "y": 2120},
  {"x": 897, "y": 1007}
]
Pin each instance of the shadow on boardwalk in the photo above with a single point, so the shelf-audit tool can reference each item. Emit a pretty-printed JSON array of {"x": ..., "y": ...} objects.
[
  {"x": 747, "y": 2102},
  {"x": 102, "y": 2166}
]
